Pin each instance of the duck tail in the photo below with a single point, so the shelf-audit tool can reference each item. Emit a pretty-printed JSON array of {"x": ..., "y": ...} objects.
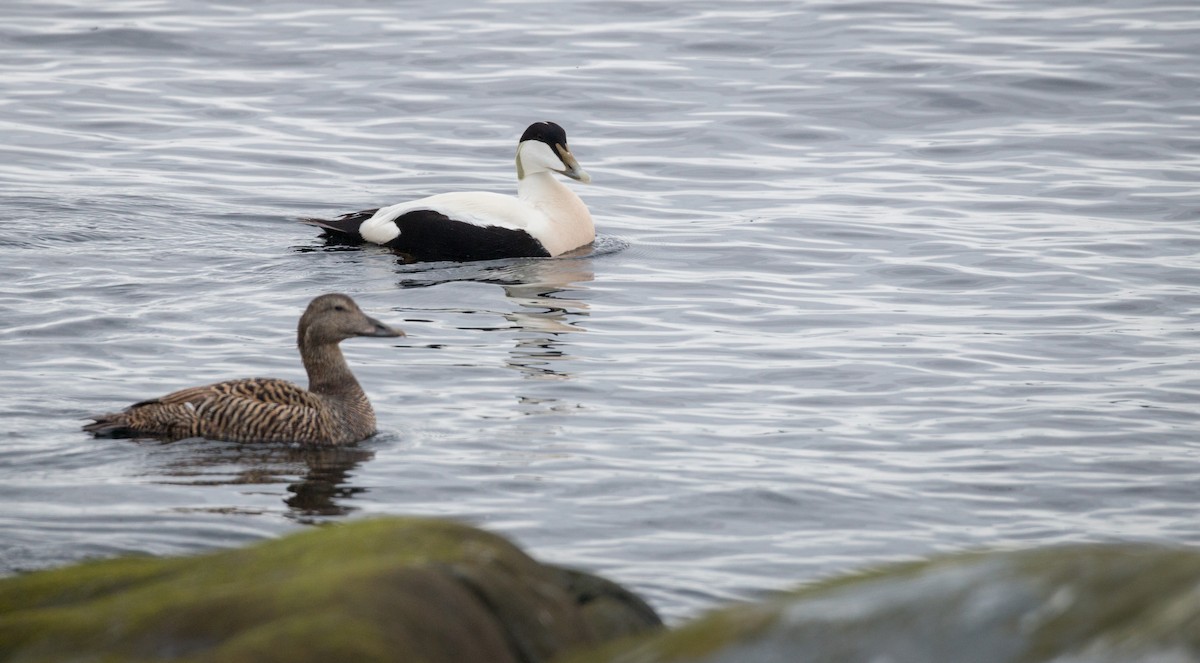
[
  {"x": 344, "y": 227},
  {"x": 109, "y": 425}
]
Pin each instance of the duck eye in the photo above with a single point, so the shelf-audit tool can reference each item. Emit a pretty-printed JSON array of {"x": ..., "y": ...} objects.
[{"x": 339, "y": 307}]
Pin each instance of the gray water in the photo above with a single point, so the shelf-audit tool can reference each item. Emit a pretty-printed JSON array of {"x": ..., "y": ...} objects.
[{"x": 874, "y": 280}]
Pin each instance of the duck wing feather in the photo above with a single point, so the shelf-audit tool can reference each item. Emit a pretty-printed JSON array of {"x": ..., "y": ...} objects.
[{"x": 248, "y": 410}]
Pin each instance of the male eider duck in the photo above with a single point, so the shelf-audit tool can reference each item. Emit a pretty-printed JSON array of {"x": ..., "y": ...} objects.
[
  {"x": 332, "y": 411},
  {"x": 545, "y": 219}
]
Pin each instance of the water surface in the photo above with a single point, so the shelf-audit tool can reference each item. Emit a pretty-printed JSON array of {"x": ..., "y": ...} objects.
[{"x": 874, "y": 280}]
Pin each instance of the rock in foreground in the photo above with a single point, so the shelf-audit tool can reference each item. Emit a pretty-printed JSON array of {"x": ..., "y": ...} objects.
[
  {"x": 1101, "y": 603},
  {"x": 377, "y": 590}
]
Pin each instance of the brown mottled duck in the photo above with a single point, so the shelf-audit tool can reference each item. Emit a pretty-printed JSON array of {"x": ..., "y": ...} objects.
[{"x": 332, "y": 411}]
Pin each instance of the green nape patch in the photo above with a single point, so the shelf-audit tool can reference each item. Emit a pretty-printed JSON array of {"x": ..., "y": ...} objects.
[{"x": 436, "y": 590}]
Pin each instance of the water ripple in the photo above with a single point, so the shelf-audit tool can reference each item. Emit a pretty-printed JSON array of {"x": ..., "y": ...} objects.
[{"x": 873, "y": 279}]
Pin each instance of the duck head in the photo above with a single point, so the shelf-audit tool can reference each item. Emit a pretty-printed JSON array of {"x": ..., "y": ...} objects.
[
  {"x": 543, "y": 147},
  {"x": 334, "y": 318}
]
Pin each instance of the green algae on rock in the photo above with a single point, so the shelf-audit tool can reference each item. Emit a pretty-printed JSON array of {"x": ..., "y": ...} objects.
[
  {"x": 375, "y": 590},
  {"x": 1094, "y": 603}
]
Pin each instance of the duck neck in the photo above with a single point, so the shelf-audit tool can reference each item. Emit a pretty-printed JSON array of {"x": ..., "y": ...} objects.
[
  {"x": 541, "y": 187},
  {"x": 328, "y": 373}
]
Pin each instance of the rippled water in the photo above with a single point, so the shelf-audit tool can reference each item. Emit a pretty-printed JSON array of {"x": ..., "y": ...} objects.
[{"x": 874, "y": 279}]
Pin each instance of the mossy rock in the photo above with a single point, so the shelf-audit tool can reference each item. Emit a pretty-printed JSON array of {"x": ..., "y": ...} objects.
[
  {"x": 1094, "y": 603},
  {"x": 377, "y": 590}
]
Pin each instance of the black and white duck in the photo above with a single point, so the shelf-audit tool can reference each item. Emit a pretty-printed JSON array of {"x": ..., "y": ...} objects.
[{"x": 544, "y": 219}]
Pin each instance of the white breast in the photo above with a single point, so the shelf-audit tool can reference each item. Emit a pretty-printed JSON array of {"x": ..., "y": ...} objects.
[{"x": 564, "y": 223}]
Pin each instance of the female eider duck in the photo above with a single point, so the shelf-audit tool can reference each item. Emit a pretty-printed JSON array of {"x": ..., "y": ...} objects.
[
  {"x": 545, "y": 219},
  {"x": 332, "y": 411}
]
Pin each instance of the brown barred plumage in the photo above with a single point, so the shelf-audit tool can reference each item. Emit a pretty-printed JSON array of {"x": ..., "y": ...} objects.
[{"x": 332, "y": 411}]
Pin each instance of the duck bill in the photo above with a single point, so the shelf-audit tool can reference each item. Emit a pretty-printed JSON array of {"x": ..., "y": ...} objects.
[
  {"x": 377, "y": 328},
  {"x": 573, "y": 170}
]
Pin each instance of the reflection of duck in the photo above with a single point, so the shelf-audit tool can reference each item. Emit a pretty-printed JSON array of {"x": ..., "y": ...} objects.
[
  {"x": 544, "y": 219},
  {"x": 544, "y": 296},
  {"x": 325, "y": 486},
  {"x": 333, "y": 410},
  {"x": 318, "y": 478},
  {"x": 545, "y": 302}
]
